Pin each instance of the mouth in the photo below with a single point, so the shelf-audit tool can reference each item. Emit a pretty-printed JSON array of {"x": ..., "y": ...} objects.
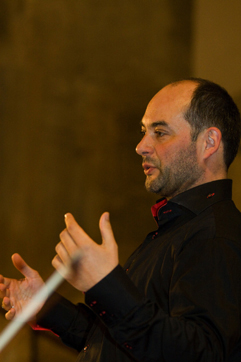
[{"x": 148, "y": 168}]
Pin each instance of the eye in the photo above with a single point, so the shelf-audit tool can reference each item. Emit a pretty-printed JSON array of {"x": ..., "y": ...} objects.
[
  {"x": 160, "y": 133},
  {"x": 142, "y": 132}
]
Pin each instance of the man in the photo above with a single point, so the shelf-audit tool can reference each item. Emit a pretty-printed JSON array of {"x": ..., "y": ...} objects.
[{"x": 178, "y": 298}]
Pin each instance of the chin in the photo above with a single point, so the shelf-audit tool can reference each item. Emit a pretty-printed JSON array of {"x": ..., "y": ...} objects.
[{"x": 153, "y": 187}]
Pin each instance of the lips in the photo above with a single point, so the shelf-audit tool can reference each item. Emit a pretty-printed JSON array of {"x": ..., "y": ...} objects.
[{"x": 148, "y": 168}]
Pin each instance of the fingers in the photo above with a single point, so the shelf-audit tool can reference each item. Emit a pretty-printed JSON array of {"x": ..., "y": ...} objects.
[
  {"x": 62, "y": 253},
  {"x": 106, "y": 230},
  {"x": 67, "y": 241},
  {"x": 4, "y": 284},
  {"x": 67, "y": 246},
  {"x": 57, "y": 262},
  {"x": 23, "y": 267},
  {"x": 78, "y": 235},
  {"x": 3, "y": 290},
  {"x": 82, "y": 239},
  {"x": 10, "y": 314},
  {"x": 6, "y": 304}
]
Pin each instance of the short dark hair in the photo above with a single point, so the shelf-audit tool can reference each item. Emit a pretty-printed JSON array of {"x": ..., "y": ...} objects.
[{"x": 212, "y": 106}]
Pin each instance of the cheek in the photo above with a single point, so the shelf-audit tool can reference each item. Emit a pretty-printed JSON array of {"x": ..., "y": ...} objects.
[
  {"x": 167, "y": 152},
  {"x": 170, "y": 152}
]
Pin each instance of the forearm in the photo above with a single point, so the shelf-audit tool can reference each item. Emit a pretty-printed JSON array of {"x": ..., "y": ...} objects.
[
  {"x": 61, "y": 317},
  {"x": 148, "y": 333}
]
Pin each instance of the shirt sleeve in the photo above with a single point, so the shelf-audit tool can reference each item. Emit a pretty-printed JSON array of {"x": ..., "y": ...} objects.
[
  {"x": 70, "y": 322},
  {"x": 203, "y": 321}
]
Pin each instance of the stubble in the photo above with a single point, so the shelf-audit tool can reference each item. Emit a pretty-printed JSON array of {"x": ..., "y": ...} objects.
[{"x": 181, "y": 173}]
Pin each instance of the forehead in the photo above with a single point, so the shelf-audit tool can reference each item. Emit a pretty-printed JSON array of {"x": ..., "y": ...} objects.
[{"x": 169, "y": 104}]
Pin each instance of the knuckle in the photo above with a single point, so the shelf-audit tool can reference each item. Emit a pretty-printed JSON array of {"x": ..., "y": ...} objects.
[
  {"x": 62, "y": 234},
  {"x": 71, "y": 227},
  {"x": 58, "y": 247}
]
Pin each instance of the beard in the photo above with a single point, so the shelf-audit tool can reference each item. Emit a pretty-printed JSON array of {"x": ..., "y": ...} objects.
[{"x": 181, "y": 173}]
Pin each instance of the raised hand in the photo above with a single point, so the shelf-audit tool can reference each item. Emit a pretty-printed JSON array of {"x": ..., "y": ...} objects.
[
  {"x": 95, "y": 261},
  {"x": 17, "y": 293}
]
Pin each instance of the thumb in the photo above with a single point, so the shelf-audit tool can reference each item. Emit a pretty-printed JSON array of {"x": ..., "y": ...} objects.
[
  {"x": 108, "y": 238},
  {"x": 23, "y": 267}
]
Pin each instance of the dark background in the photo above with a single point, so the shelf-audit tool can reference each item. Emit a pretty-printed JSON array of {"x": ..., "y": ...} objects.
[{"x": 75, "y": 79}]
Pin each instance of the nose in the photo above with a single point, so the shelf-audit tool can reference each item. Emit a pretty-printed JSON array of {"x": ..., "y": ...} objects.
[{"x": 145, "y": 146}]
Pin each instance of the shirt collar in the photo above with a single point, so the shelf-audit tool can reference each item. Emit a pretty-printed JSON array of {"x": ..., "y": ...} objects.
[{"x": 198, "y": 198}]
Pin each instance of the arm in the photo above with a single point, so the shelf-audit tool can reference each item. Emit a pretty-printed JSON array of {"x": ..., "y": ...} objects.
[
  {"x": 70, "y": 322},
  {"x": 203, "y": 320}
]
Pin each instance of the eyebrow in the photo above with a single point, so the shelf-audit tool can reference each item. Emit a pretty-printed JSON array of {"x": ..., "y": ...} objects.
[{"x": 156, "y": 124}]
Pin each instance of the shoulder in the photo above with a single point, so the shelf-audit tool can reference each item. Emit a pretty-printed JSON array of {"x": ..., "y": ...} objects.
[
  {"x": 226, "y": 220},
  {"x": 219, "y": 223}
]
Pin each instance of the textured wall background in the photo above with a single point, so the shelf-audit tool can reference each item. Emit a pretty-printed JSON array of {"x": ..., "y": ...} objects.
[
  {"x": 75, "y": 78},
  {"x": 216, "y": 55}
]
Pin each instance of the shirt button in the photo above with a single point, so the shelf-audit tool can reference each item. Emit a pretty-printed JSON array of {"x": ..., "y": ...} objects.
[
  {"x": 210, "y": 195},
  {"x": 127, "y": 346}
]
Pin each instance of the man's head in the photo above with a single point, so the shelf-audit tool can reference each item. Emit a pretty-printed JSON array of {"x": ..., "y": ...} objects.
[
  {"x": 183, "y": 143},
  {"x": 211, "y": 105}
]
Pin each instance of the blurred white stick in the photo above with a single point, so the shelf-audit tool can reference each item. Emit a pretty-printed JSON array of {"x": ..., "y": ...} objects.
[{"x": 32, "y": 307}]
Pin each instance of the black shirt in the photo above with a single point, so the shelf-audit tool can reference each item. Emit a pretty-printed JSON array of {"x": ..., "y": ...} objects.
[{"x": 177, "y": 299}]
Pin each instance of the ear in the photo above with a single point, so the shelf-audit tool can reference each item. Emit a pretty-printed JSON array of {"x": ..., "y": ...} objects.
[{"x": 212, "y": 141}]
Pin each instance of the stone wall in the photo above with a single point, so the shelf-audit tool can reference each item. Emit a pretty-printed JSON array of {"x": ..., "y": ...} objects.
[
  {"x": 75, "y": 78},
  {"x": 216, "y": 54}
]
